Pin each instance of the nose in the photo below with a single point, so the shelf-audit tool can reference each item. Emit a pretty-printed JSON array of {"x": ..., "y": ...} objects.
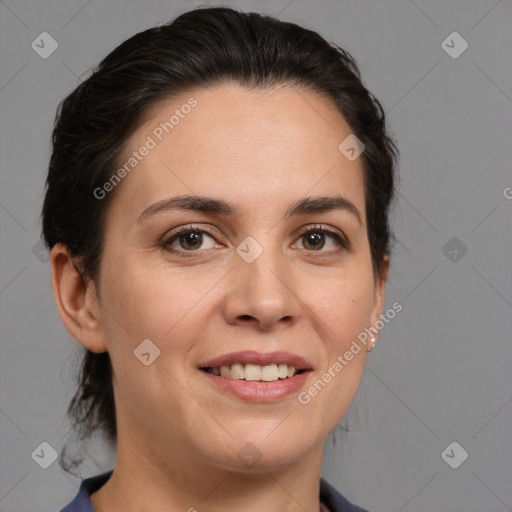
[{"x": 262, "y": 293}]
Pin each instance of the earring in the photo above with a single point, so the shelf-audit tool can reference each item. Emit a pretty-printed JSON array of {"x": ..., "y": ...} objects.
[{"x": 372, "y": 344}]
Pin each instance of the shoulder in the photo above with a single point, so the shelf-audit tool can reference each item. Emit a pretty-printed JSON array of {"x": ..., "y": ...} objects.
[
  {"x": 82, "y": 501},
  {"x": 335, "y": 501}
]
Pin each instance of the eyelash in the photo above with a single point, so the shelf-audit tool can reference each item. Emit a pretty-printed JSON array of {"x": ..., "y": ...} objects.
[{"x": 343, "y": 244}]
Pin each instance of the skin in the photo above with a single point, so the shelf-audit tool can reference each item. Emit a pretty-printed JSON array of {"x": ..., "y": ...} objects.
[{"x": 178, "y": 435}]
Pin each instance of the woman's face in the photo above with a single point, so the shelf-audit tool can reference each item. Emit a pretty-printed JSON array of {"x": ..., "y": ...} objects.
[{"x": 253, "y": 283}]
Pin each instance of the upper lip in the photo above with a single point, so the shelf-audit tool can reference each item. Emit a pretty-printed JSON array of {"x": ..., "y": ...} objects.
[{"x": 260, "y": 358}]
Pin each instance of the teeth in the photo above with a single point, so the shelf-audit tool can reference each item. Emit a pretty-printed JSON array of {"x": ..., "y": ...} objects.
[
  {"x": 282, "y": 371},
  {"x": 252, "y": 372},
  {"x": 269, "y": 373},
  {"x": 237, "y": 371},
  {"x": 255, "y": 372}
]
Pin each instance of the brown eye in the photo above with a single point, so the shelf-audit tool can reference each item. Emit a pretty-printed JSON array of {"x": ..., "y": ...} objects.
[
  {"x": 191, "y": 240},
  {"x": 314, "y": 240},
  {"x": 188, "y": 239}
]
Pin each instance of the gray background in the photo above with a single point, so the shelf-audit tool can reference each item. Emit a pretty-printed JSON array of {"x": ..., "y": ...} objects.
[{"x": 441, "y": 369}]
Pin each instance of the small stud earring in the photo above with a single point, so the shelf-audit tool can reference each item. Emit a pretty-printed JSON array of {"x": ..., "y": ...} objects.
[{"x": 372, "y": 344}]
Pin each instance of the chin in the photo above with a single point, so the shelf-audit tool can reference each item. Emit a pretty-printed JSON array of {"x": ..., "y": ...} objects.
[{"x": 250, "y": 452}]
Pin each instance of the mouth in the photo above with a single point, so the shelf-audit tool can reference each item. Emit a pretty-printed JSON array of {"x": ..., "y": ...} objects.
[{"x": 257, "y": 377}]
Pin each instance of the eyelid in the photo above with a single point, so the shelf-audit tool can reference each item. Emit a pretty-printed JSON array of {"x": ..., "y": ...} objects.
[
  {"x": 184, "y": 229},
  {"x": 324, "y": 228}
]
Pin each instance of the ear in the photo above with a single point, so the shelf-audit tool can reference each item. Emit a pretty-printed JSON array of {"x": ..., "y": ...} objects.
[
  {"x": 380, "y": 290},
  {"x": 76, "y": 301}
]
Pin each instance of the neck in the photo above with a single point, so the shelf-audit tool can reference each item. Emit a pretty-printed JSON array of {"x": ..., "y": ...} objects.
[{"x": 143, "y": 480}]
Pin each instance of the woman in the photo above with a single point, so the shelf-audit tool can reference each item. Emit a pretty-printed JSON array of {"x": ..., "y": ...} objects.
[{"x": 217, "y": 213}]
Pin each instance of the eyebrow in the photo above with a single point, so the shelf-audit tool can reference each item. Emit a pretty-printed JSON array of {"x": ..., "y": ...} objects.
[{"x": 202, "y": 204}]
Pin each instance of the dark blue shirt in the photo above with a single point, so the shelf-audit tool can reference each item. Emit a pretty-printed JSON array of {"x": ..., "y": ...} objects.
[{"x": 329, "y": 496}]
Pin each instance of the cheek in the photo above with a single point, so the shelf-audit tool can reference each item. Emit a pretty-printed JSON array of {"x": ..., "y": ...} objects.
[
  {"x": 344, "y": 304},
  {"x": 343, "y": 311},
  {"x": 142, "y": 302}
]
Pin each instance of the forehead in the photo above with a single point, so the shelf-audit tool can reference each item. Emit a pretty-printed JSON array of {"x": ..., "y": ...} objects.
[{"x": 257, "y": 149}]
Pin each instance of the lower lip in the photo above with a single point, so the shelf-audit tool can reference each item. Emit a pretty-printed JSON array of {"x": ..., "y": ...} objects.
[{"x": 256, "y": 391}]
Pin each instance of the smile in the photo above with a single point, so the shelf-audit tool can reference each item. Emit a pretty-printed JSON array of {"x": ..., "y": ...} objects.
[{"x": 257, "y": 377}]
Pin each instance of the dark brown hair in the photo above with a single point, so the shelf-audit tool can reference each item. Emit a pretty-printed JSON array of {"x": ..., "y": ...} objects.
[{"x": 200, "y": 48}]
